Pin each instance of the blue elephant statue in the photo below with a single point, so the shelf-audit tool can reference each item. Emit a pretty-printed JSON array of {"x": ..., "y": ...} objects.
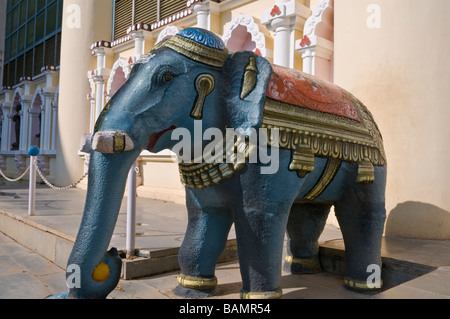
[{"x": 323, "y": 146}]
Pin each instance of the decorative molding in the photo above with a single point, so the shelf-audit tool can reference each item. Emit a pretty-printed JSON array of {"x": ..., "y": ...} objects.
[
  {"x": 17, "y": 91},
  {"x": 21, "y": 162},
  {"x": 252, "y": 28},
  {"x": 290, "y": 13},
  {"x": 317, "y": 17},
  {"x": 43, "y": 163},
  {"x": 167, "y": 32},
  {"x": 91, "y": 94},
  {"x": 318, "y": 44},
  {"x": 310, "y": 38},
  {"x": 42, "y": 97},
  {"x": 122, "y": 63}
]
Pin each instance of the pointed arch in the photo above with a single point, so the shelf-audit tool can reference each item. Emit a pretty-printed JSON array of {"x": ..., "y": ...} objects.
[
  {"x": 119, "y": 75},
  {"x": 167, "y": 33},
  {"x": 317, "y": 44},
  {"x": 243, "y": 33},
  {"x": 16, "y": 118},
  {"x": 35, "y": 119}
]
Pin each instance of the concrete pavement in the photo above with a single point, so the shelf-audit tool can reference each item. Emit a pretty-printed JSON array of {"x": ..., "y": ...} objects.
[{"x": 34, "y": 252}]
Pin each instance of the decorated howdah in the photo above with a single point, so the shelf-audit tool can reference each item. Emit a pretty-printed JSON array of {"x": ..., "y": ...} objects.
[{"x": 299, "y": 146}]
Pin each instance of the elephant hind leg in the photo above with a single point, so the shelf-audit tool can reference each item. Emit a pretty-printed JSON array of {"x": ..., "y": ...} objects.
[
  {"x": 361, "y": 216},
  {"x": 305, "y": 225}
]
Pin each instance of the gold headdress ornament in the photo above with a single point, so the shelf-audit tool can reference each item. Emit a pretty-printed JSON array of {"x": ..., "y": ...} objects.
[{"x": 199, "y": 45}]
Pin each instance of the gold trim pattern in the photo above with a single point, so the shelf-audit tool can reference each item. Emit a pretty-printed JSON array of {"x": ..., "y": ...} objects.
[
  {"x": 308, "y": 263},
  {"x": 276, "y": 294},
  {"x": 361, "y": 285},
  {"x": 249, "y": 78},
  {"x": 196, "y": 51},
  {"x": 331, "y": 169},
  {"x": 212, "y": 169},
  {"x": 204, "y": 84},
  {"x": 325, "y": 135},
  {"x": 302, "y": 160},
  {"x": 198, "y": 283},
  {"x": 118, "y": 142}
]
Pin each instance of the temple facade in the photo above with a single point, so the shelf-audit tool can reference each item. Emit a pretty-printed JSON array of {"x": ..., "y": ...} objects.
[{"x": 61, "y": 61}]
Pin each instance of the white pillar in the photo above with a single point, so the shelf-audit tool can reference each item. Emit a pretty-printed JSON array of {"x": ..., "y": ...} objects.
[
  {"x": 32, "y": 115},
  {"x": 282, "y": 44},
  {"x": 92, "y": 115},
  {"x": 139, "y": 46},
  {"x": 203, "y": 15},
  {"x": 283, "y": 19},
  {"x": 54, "y": 125},
  {"x": 99, "y": 95},
  {"x": 317, "y": 45},
  {"x": 93, "y": 23},
  {"x": 46, "y": 122},
  {"x": 32, "y": 187},
  {"x": 100, "y": 77},
  {"x": 308, "y": 61},
  {"x": 5, "y": 129},
  {"x": 140, "y": 32},
  {"x": 317, "y": 54},
  {"x": 24, "y": 124},
  {"x": 131, "y": 212}
]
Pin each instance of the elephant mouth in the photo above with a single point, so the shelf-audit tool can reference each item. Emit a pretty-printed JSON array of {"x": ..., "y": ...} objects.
[{"x": 155, "y": 137}]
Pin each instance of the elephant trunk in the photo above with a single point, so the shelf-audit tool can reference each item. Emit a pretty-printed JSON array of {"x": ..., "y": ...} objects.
[{"x": 99, "y": 270}]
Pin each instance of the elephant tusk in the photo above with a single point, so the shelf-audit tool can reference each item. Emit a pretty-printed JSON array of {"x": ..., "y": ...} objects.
[{"x": 108, "y": 142}]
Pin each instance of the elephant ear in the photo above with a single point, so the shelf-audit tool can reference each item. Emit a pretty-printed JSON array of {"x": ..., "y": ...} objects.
[{"x": 246, "y": 76}]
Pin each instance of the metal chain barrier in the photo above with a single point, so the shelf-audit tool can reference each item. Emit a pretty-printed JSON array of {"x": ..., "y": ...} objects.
[
  {"x": 56, "y": 187},
  {"x": 16, "y": 179}
]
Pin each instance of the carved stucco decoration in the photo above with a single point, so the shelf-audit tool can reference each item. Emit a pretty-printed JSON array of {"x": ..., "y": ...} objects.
[
  {"x": 317, "y": 17},
  {"x": 120, "y": 63},
  {"x": 252, "y": 28},
  {"x": 167, "y": 33}
]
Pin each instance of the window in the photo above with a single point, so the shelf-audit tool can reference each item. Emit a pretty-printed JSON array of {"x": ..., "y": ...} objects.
[
  {"x": 32, "y": 37},
  {"x": 123, "y": 17},
  {"x": 146, "y": 11}
]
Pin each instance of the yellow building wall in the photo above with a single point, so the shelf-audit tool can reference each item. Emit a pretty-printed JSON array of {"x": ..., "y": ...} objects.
[{"x": 393, "y": 55}]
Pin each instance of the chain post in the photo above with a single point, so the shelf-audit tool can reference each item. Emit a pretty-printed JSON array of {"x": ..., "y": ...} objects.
[
  {"x": 33, "y": 152},
  {"x": 131, "y": 212}
]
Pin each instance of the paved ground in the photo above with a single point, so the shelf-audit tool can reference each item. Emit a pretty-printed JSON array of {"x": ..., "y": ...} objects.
[{"x": 25, "y": 273}]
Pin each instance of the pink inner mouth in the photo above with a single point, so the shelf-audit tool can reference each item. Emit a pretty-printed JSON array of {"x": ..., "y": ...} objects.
[{"x": 155, "y": 137}]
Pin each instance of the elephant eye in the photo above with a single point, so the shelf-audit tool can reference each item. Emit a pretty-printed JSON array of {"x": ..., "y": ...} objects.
[{"x": 167, "y": 77}]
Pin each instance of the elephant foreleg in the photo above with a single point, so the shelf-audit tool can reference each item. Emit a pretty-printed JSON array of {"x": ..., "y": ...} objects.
[
  {"x": 305, "y": 225},
  {"x": 204, "y": 241}
]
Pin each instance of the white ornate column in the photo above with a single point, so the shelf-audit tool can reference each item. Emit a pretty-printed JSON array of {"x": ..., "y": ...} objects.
[
  {"x": 46, "y": 121},
  {"x": 54, "y": 107},
  {"x": 283, "y": 19},
  {"x": 140, "y": 32},
  {"x": 5, "y": 128},
  {"x": 24, "y": 118},
  {"x": 101, "y": 74},
  {"x": 316, "y": 46},
  {"x": 203, "y": 11},
  {"x": 47, "y": 116},
  {"x": 33, "y": 115}
]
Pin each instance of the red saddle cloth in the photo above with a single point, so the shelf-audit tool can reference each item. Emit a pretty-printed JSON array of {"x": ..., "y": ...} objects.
[{"x": 303, "y": 90}]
